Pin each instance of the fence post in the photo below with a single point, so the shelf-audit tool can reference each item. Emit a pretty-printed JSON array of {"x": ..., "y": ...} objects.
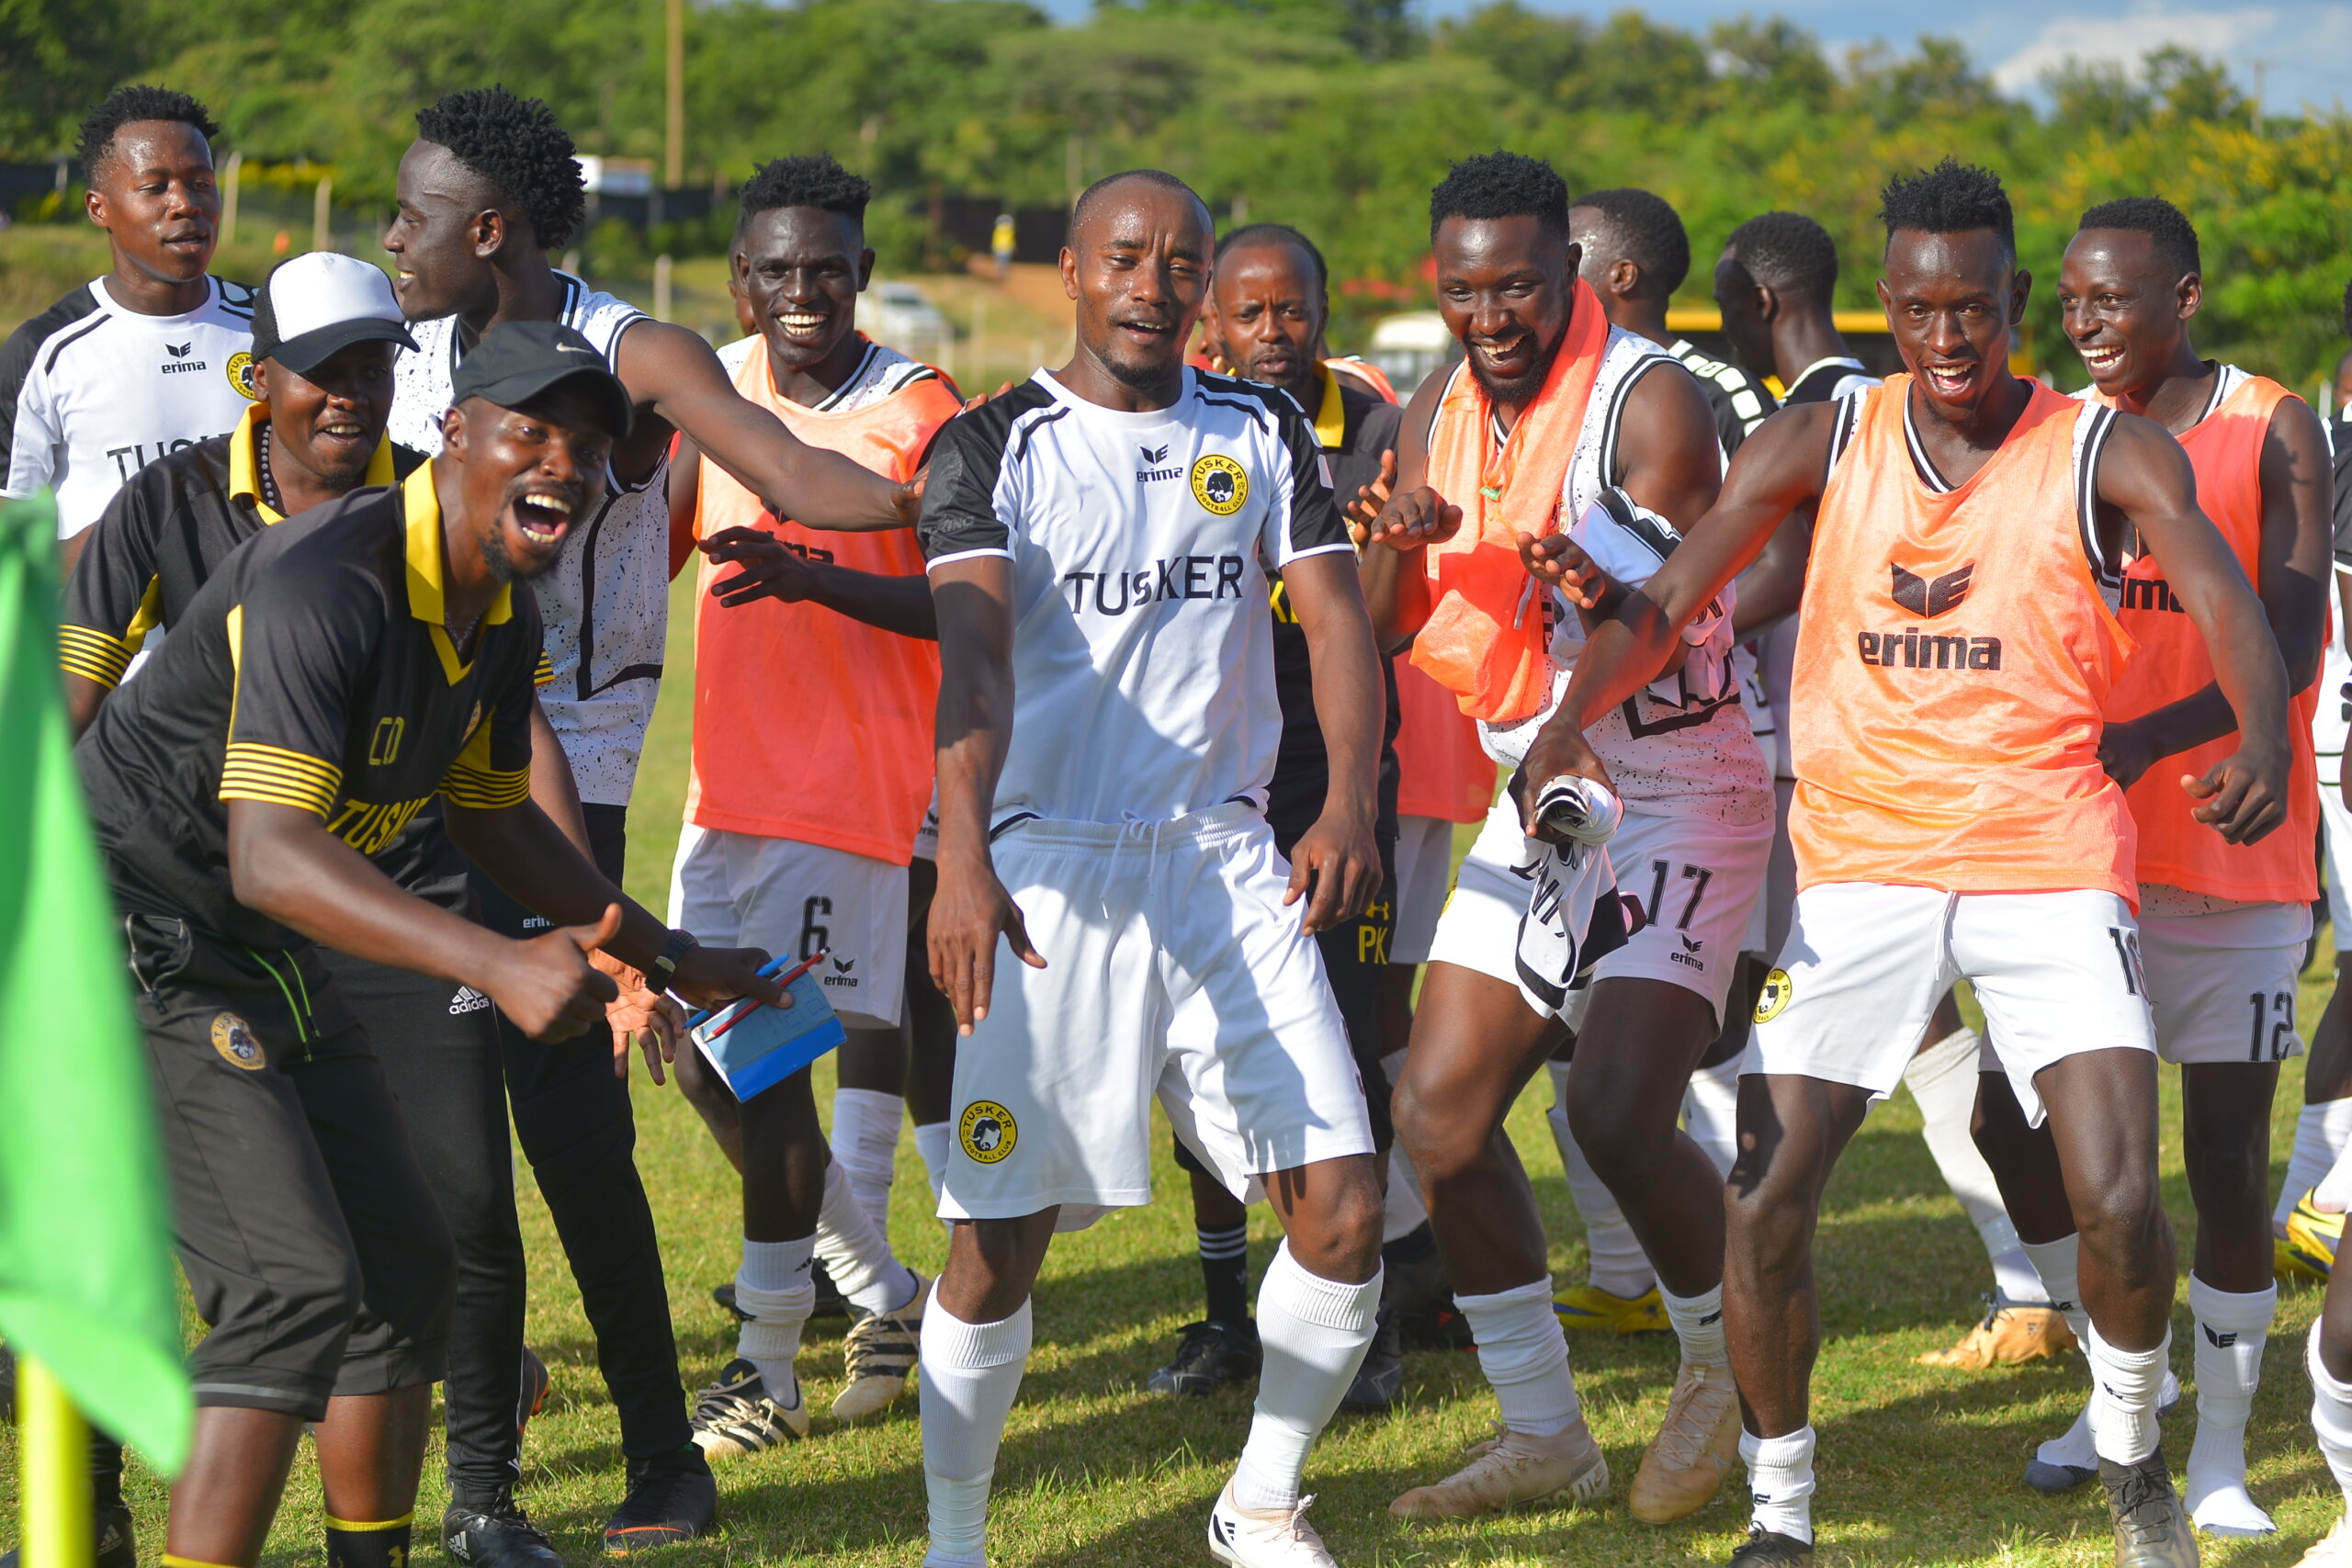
[
  {"x": 230, "y": 179},
  {"x": 323, "y": 216},
  {"x": 661, "y": 287}
]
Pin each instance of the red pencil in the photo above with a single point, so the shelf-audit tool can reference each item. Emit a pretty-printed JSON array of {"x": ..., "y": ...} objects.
[{"x": 784, "y": 982}]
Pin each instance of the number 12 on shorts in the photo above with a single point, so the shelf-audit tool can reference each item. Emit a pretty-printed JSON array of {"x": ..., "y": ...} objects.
[{"x": 2277, "y": 1010}]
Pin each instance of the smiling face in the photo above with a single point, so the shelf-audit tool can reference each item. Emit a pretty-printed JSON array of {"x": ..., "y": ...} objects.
[
  {"x": 154, "y": 195},
  {"x": 1949, "y": 301},
  {"x": 1269, "y": 311},
  {"x": 799, "y": 270},
  {"x": 1505, "y": 286},
  {"x": 445, "y": 229},
  {"x": 1137, "y": 263},
  {"x": 527, "y": 474},
  {"x": 2124, "y": 310},
  {"x": 331, "y": 420}
]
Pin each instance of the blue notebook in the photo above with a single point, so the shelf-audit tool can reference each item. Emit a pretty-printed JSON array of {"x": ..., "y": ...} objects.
[{"x": 755, "y": 1047}]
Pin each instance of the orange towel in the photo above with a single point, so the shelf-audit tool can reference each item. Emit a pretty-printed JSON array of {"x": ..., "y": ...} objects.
[{"x": 1485, "y": 639}]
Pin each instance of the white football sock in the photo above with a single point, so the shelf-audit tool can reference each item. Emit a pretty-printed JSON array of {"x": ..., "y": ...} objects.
[
  {"x": 1619, "y": 1265},
  {"x": 2322, "y": 1132},
  {"x": 930, "y": 1142},
  {"x": 864, "y": 1140},
  {"x": 971, "y": 1373},
  {"x": 1404, "y": 1213},
  {"x": 1711, "y": 1112},
  {"x": 1699, "y": 1324},
  {"x": 2331, "y": 1414},
  {"x": 775, "y": 1288},
  {"x": 2125, "y": 1387},
  {"x": 856, "y": 1252},
  {"x": 2231, "y": 1331},
  {"x": 1314, "y": 1331},
  {"x": 1524, "y": 1353},
  {"x": 2332, "y": 1192},
  {"x": 1780, "y": 1481},
  {"x": 2058, "y": 1266},
  {"x": 1942, "y": 1080}
]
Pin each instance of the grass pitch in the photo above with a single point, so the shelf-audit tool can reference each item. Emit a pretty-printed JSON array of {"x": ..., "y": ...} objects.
[{"x": 1917, "y": 1465}]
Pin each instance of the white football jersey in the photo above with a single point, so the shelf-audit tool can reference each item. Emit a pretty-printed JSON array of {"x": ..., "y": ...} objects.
[
  {"x": 1141, "y": 545},
  {"x": 1682, "y": 746},
  {"x": 605, "y": 607},
  {"x": 90, "y": 393}
]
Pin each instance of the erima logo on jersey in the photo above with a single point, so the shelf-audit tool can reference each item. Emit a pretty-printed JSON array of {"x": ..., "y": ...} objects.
[
  {"x": 1152, "y": 458},
  {"x": 1910, "y": 650},
  {"x": 466, "y": 1000},
  {"x": 1184, "y": 576},
  {"x": 1930, "y": 597},
  {"x": 180, "y": 363},
  {"x": 2151, "y": 593}
]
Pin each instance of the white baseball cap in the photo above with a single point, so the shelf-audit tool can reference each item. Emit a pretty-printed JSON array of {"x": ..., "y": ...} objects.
[{"x": 321, "y": 302}]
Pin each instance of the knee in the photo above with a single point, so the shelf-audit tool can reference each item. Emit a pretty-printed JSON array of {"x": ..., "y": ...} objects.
[
  {"x": 2119, "y": 1209},
  {"x": 1613, "y": 1129}
]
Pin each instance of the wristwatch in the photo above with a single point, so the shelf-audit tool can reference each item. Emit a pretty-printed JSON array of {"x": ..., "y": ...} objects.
[{"x": 666, "y": 963}]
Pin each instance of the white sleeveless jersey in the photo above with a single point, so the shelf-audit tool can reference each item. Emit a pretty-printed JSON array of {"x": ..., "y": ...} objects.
[
  {"x": 1682, "y": 746},
  {"x": 90, "y": 393},
  {"x": 606, "y": 606}
]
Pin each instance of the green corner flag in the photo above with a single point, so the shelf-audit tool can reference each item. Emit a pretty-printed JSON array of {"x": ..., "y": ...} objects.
[{"x": 86, "y": 1273}]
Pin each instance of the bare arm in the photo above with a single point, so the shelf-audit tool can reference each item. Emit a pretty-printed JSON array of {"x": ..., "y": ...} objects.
[
  {"x": 1771, "y": 589},
  {"x": 1777, "y": 469},
  {"x": 2292, "y": 561},
  {"x": 677, "y": 373},
  {"x": 774, "y": 569},
  {"x": 1338, "y": 857},
  {"x": 2146, "y": 476},
  {"x": 1407, "y": 519},
  {"x": 975, "y": 728}
]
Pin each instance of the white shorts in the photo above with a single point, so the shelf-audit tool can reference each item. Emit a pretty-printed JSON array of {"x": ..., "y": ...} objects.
[
  {"x": 1696, "y": 881},
  {"x": 1172, "y": 969},
  {"x": 2223, "y": 986},
  {"x": 2335, "y": 832},
  {"x": 2057, "y": 974},
  {"x": 748, "y": 890},
  {"x": 1424, "y": 876}
]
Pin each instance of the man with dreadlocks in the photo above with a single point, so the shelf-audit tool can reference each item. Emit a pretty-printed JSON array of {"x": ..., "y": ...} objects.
[{"x": 488, "y": 188}]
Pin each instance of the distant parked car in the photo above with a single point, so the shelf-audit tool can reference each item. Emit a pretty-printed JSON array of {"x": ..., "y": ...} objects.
[
  {"x": 1407, "y": 347},
  {"x": 901, "y": 316}
]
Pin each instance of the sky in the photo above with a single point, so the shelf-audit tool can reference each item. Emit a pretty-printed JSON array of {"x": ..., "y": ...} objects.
[{"x": 2301, "y": 50}]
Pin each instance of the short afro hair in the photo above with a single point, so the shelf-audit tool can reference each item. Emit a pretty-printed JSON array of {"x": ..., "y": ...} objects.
[
  {"x": 1950, "y": 198},
  {"x": 1643, "y": 229},
  {"x": 1277, "y": 234},
  {"x": 2167, "y": 225},
  {"x": 806, "y": 179},
  {"x": 130, "y": 106},
  {"x": 514, "y": 146},
  {"x": 1502, "y": 185},
  {"x": 1788, "y": 254},
  {"x": 1160, "y": 177}
]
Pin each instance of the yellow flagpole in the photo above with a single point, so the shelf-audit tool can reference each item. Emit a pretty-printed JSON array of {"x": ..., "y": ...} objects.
[{"x": 53, "y": 1463}]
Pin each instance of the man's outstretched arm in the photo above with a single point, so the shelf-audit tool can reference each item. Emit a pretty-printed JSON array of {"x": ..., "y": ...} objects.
[{"x": 675, "y": 371}]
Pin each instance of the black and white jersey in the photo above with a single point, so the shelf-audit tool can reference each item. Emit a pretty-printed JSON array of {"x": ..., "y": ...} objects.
[
  {"x": 881, "y": 374},
  {"x": 1739, "y": 400},
  {"x": 606, "y": 604},
  {"x": 1836, "y": 376},
  {"x": 1143, "y": 655},
  {"x": 90, "y": 393}
]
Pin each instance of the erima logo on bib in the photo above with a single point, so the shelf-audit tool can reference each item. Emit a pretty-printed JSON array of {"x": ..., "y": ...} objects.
[
  {"x": 1930, "y": 597},
  {"x": 987, "y": 1131},
  {"x": 233, "y": 1038},
  {"x": 1220, "y": 484}
]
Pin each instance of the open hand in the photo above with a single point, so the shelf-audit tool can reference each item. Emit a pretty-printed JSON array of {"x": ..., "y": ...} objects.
[
  {"x": 1558, "y": 561},
  {"x": 1418, "y": 518},
  {"x": 1363, "y": 508},
  {"x": 772, "y": 568},
  {"x": 967, "y": 913}
]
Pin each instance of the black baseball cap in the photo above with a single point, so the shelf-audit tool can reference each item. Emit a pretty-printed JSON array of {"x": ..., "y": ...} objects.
[
  {"x": 316, "y": 304},
  {"x": 519, "y": 361}
]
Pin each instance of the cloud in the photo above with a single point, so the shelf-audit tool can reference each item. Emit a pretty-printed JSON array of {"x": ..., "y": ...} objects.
[{"x": 2127, "y": 38}]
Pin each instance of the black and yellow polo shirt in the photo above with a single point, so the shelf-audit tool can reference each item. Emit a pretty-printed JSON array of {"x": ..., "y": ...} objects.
[
  {"x": 313, "y": 671},
  {"x": 160, "y": 537},
  {"x": 1354, "y": 427}
]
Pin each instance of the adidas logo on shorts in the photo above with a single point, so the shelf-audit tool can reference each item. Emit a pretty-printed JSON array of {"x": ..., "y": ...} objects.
[{"x": 466, "y": 1000}]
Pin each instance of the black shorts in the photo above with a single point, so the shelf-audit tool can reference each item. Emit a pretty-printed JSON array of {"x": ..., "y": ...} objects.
[
  {"x": 1355, "y": 955},
  {"x": 313, "y": 1243}
]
